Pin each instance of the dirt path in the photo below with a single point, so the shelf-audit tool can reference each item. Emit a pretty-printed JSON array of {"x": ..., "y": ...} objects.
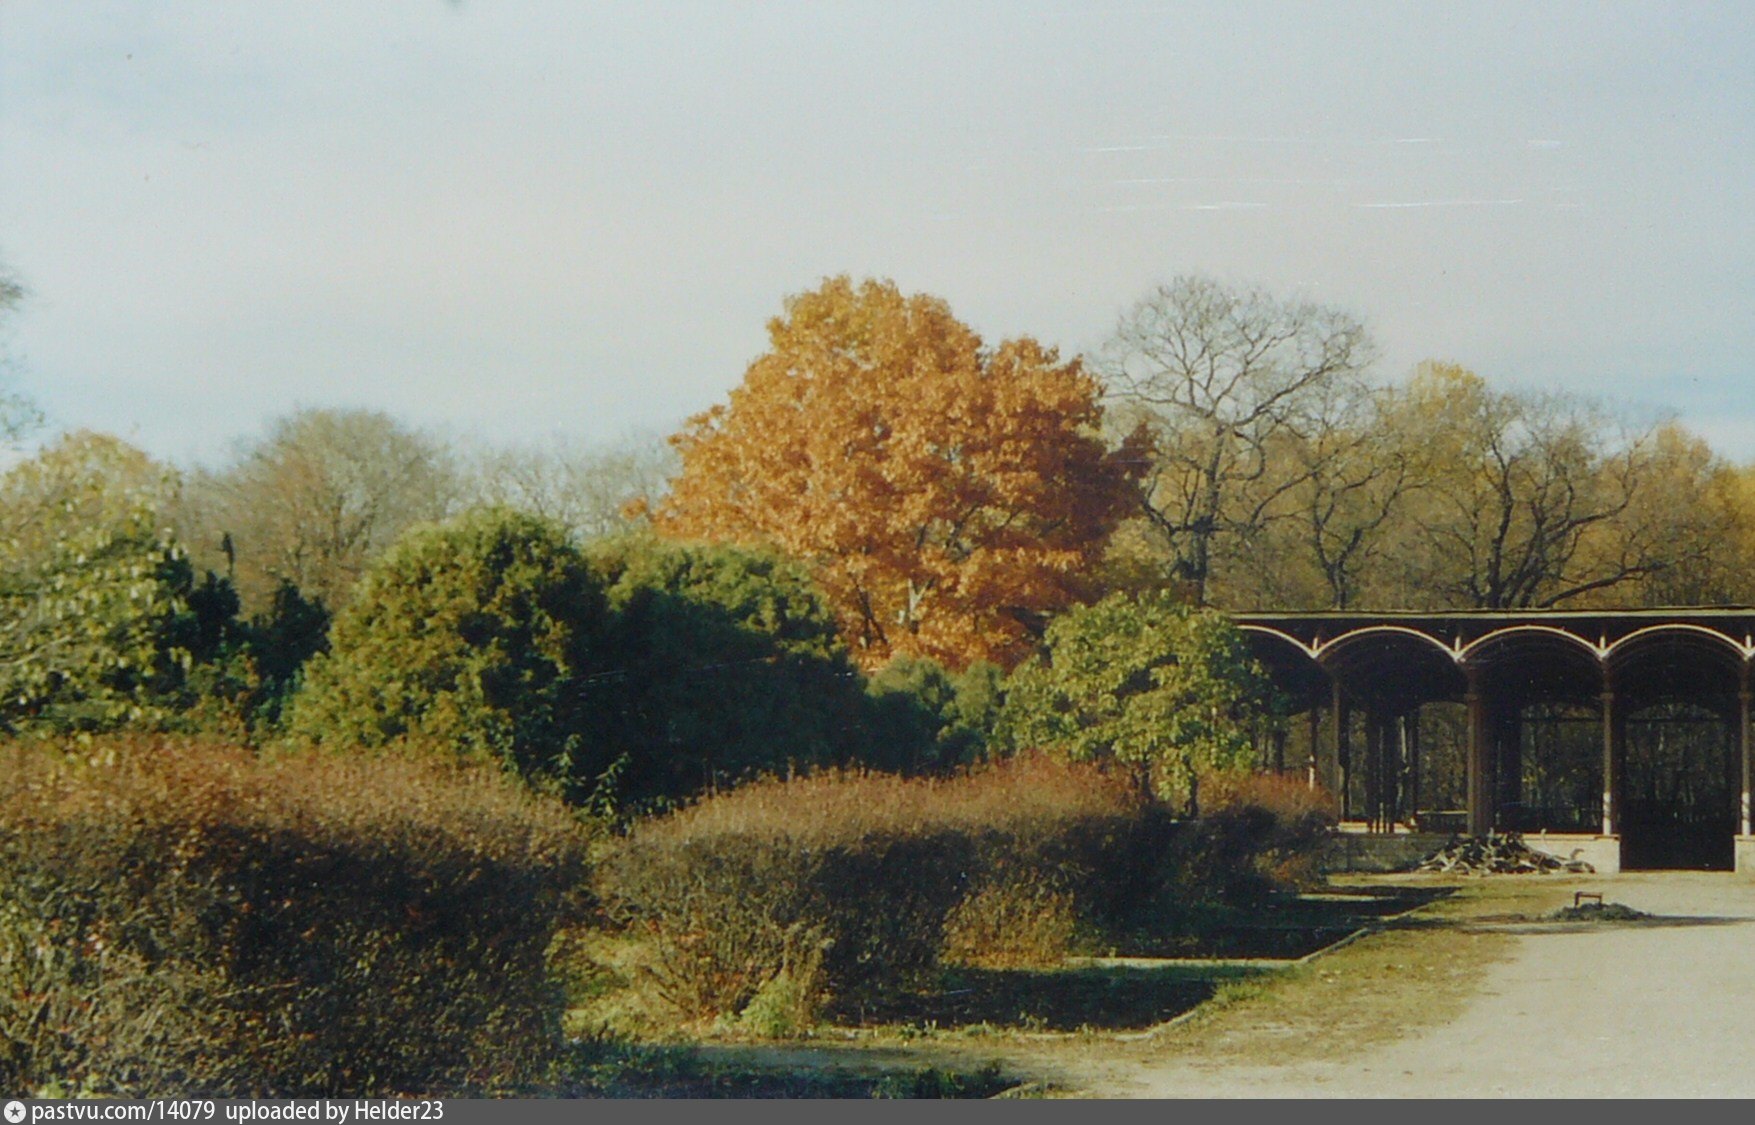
[{"x": 1596, "y": 1011}]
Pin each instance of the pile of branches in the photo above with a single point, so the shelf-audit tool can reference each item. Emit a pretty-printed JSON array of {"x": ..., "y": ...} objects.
[{"x": 1499, "y": 853}]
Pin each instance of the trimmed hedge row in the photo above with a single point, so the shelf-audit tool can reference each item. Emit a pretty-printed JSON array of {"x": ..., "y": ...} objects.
[
  {"x": 838, "y": 888},
  {"x": 179, "y": 917}
]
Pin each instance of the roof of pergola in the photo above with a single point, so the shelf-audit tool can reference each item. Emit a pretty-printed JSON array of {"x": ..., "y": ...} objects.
[{"x": 1407, "y": 658}]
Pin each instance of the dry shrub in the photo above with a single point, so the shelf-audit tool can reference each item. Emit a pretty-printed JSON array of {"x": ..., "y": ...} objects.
[
  {"x": 867, "y": 869},
  {"x": 1010, "y": 925},
  {"x": 1257, "y": 833},
  {"x": 179, "y": 916}
]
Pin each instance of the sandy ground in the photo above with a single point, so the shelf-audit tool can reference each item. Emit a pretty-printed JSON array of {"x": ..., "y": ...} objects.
[{"x": 1602, "y": 1011}]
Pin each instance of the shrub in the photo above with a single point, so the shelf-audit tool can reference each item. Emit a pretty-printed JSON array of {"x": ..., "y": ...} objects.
[
  {"x": 90, "y": 589},
  {"x": 925, "y": 718},
  {"x": 1145, "y": 681},
  {"x": 721, "y": 663},
  {"x": 471, "y": 634},
  {"x": 1258, "y": 833},
  {"x": 178, "y": 917},
  {"x": 1007, "y": 924},
  {"x": 867, "y": 869}
]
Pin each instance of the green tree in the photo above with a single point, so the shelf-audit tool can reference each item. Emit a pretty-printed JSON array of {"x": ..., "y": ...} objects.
[
  {"x": 245, "y": 671},
  {"x": 718, "y": 663},
  {"x": 1147, "y": 682},
  {"x": 473, "y": 634},
  {"x": 280, "y": 641},
  {"x": 925, "y": 717},
  {"x": 92, "y": 589}
]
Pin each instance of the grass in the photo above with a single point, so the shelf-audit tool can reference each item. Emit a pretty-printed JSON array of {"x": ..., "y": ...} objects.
[
  {"x": 1413, "y": 972},
  {"x": 608, "y": 1067},
  {"x": 1082, "y": 996},
  {"x": 1069, "y": 999}
]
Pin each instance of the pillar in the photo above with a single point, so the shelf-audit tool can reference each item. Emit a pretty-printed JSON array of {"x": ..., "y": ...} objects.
[
  {"x": 1411, "y": 743},
  {"x": 1614, "y": 734},
  {"x": 1315, "y": 734},
  {"x": 1389, "y": 770},
  {"x": 1480, "y": 795},
  {"x": 1373, "y": 769},
  {"x": 1744, "y": 698},
  {"x": 1343, "y": 751}
]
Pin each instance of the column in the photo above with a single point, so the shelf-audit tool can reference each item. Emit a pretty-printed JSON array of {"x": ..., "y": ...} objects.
[
  {"x": 1480, "y": 799},
  {"x": 1315, "y": 735},
  {"x": 1744, "y": 698},
  {"x": 1343, "y": 752},
  {"x": 1411, "y": 739},
  {"x": 1373, "y": 769},
  {"x": 1611, "y": 752},
  {"x": 1389, "y": 771}
]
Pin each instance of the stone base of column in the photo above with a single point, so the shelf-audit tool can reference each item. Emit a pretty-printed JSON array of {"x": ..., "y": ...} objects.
[{"x": 1745, "y": 853}]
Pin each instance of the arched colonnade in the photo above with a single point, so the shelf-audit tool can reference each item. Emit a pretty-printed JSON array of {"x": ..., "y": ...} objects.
[{"x": 1539, "y": 706}]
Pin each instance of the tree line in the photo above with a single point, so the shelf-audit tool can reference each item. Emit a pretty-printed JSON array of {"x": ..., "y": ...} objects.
[
  {"x": 1231, "y": 446},
  {"x": 884, "y": 534}
]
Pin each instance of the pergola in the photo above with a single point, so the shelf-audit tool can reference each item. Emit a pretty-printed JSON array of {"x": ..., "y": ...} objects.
[{"x": 1362, "y": 679}]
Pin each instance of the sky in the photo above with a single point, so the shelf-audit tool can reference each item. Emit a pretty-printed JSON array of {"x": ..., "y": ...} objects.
[{"x": 522, "y": 220}]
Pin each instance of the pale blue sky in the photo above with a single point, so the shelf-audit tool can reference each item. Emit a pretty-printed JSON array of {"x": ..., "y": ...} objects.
[{"x": 517, "y": 218}]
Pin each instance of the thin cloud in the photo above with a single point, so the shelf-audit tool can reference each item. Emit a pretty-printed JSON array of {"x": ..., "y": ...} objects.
[
  {"x": 1161, "y": 141},
  {"x": 1234, "y": 180},
  {"x": 1445, "y": 203},
  {"x": 1222, "y": 205}
]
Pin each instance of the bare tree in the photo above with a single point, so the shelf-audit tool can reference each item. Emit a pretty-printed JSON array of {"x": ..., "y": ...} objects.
[
  {"x": 1358, "y": 473},
  {"x": 314, "y": 499},
  {"x": 1218, "y": 376},
  {"x": 1525, "y": 490},
  {"x": 19, "y": 416},
  {"x": 1325, "y": 541},
  {"x": 591, "y": 490},
  {"x": 1684, "y": 531}
]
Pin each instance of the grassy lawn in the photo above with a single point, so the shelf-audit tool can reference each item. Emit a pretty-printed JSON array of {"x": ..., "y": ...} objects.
[{"x": 1080, "y": 1027}]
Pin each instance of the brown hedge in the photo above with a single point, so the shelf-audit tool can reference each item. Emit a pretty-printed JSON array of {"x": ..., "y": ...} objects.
[
  {"x": 856, "y": 874},
  {"x": 178, "y": 916},
  {"x": 864, "y": 883}
]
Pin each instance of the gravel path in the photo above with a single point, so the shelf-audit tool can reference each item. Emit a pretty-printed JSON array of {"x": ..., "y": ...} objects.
[{"x": 1603, "y": 1011}]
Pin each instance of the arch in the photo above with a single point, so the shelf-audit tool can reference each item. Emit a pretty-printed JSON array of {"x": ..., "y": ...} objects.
[
  {"x": 1355, "y": 634},
  {"x": 1289, "y": 662},
  {"x": 1677, "y": 661},
  {"x": 1519, "y": 664},
  {"x": 1497, "y": 636},
  {"x": 1269, "y": 631},
  {"x": 1393, "y": 665},
  {"x": 1678, "y": 629}
]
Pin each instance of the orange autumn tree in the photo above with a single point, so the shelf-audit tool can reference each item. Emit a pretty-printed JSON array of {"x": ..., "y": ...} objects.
[{"x": 948, "y": 497}]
